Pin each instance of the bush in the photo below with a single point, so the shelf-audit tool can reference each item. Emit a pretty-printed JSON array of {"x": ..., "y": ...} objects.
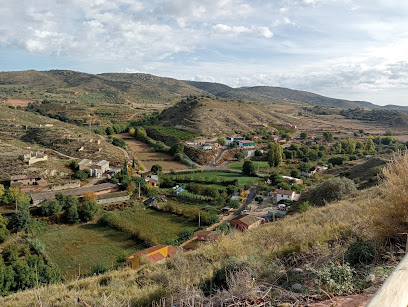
[
  {"x": 335, "y": 279},
  {"x": 37, "y": 246},
  {"x": 119, "y": 142},
  {"x": 72, "y": 215},
  {"x": 82, "y": 175},
  {"x": 88, "y": 210},
  {"x": 51, "y": 207},
  {"x": 303, "y": 207},
  {"x": 185, "y": 235},
  {"x": 331, "y": 190},
  {"x": 98, "y": 268},
  {"x": 360, "y": 252}
]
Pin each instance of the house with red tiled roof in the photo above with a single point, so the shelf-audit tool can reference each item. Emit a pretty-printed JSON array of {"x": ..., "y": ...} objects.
[
  {"x": 245, "y": 221},
  {"x": 155, "y": 254}
]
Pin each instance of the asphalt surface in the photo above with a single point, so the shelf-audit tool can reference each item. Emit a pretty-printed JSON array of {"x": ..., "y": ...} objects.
[{"x": 249, "y": 199}]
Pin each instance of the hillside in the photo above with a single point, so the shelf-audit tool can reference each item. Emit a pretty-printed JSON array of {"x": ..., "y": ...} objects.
[
  {"x": 276, "y": 94},
  {"x": 267, "y": 256},
  {"x": 22, "y": 132},
  {"x": 212, "y": 116}
]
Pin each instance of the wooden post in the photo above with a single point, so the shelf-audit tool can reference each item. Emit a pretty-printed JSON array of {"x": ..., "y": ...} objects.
[{"x": 394, "y": 291}]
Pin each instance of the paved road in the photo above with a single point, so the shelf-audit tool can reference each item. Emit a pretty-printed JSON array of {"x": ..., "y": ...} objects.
[{"x": 249, "y": 199}]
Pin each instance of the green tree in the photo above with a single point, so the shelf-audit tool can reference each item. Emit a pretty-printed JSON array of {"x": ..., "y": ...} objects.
[
  {"x": 109, "y": 130},
  {"x": 72, "y": 215},
  {"x": 221, "y": 141},
  {"x": 177, "y": 148},
  {"x": 141, "y": 134},
  {"x": 87, "y": 210},
  {"x": 239, "y": 156},
  {"x": 156, "y": 169},
  {"x": 328, "y": 136},
  {"x": 249, "y": 168},
  {"x": 259, "y": 199},
  {"x": 303, "y": 135},
  {"x": 275, "y": 155},
  {"x": 2, "y": 192},
  {"x": 369, "y": 145},
  {"x": 51, "y": 207},
  {"x": 338, "y": 148},
  {"x": 349, "y": 145},
  {"x": 22, "y": 218},
  {"x": 132, "y": 131},
  {"x": 4, "y": 232}
]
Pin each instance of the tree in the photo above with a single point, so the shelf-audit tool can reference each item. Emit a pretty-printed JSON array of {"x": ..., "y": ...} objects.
[
  {"x": 328, "y": 136},
  {"x": 141, "y": 134},
  {"x": 369, "y": 145},
  {"x": 51, "y": 207},
  {"x": 89, "y": 196},
  {"x": 221, "y": 141},
  {"x": 258, "y": 153},
  {"x": 259, "y": 199},
  {"x": 22, "y": 218},
  {"x": 349, "y": 146},
  {"x": 133, "y": 163},
  {"x": 131, "y": 188},
  {"x": 4, "y": 232},
  {"x": 303, "y": 135},
  {"x": 331, "y": 190},
  {"x": 177, "y": 148},
  {"x": 132, "y": 131},
  {"x": 109, "y": 131},
  {"x": 249, "y": 168},
  {"x": 72, "y": 215},
  {"x": 239, "y": 156},
  {"x": 338, "y": 148},
  {"x": 125, "y": 168},
  {"x": 275, "y": 154},
  {"x": 73, "y": 165},
  {"x": 87, "y": 210},
  {"x": 295, "y": 173},
  {"x": 156, "y": 169},
  {"x": 82, "y": 175}
]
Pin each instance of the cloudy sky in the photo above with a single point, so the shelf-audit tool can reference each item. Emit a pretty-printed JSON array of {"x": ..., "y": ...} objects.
[{"x": 354, "y": 49}]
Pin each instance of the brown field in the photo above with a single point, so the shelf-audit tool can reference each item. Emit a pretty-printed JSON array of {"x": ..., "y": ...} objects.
[
  {"x": 18, "y": 102},
  {"x": 147, "y": 156}
]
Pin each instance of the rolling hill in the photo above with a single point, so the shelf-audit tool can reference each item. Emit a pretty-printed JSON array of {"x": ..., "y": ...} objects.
[{"x": 276, "y": 94}]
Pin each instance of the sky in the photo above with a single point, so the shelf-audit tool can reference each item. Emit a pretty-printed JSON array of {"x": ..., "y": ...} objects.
[{"x": 351, "y": 49}]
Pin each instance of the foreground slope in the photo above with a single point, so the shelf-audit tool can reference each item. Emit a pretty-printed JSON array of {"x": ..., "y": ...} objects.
[{"x": 315, "y": 236}]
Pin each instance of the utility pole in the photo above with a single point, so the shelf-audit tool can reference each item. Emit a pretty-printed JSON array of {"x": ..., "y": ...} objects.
[
  {"x": 199, "y": 219},
  {"x": 139, "y": 190}
]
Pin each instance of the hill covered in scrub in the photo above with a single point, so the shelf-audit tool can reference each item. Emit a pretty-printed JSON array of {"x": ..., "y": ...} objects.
[
  {"x": 210, "y": 115},
  {"x": 276, "y": 94},
  {"x": 263, "y": 264},
  {"x": 109, "y": 87}
]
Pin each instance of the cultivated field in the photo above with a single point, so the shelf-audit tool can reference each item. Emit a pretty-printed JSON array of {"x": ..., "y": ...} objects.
[
  {"x": 85, "y": 245},
  {"x": 151, "y": 226},
  {"x": 238, "y": 165},
  {"x": 18, "y": 102},
  {"x": 147, "y": 156}
]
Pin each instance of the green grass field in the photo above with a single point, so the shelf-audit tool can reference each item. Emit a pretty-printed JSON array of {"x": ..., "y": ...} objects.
[
  {"x": 224, "y": 176},
  {"x": 153, "y": 227},
  {"x": 85, "y": 245},
  {"x": 238, "y": 165}
]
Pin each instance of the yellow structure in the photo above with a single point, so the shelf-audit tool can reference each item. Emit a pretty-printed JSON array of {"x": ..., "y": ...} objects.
[{"x": 155, "y": 253}]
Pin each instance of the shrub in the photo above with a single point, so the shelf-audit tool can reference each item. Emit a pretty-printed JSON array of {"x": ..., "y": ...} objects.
[
  {"x": 82, "y": 175},
  {"x": 50, "y": 208},
  {"x": 360, "y": 252},
  {"x": 303, "y": 207},
  {"x": 88, "y": 210},
  {"x": 37, "y": 246},
  {"x": 331, "y": 190},
  {"x": 98, "y": 268},
  {"x": 185, "y": 235},
  {"x": 335, "y": 279},
  {"x": 72, "y": 215}
]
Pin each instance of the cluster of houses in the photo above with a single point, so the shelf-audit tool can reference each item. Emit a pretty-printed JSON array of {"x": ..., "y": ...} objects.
[
  {"x": 34, "y": 157},
  {"x": 97, "y": 169},
  {"x": 240, "y": 141}
]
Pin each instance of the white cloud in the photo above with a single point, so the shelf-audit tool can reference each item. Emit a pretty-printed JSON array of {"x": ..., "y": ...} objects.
[{"x": 237, "y": 30}]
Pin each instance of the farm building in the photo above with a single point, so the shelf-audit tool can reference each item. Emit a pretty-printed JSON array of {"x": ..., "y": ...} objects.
[
  {"x": 99, "y": 168},
  {"x": 246, "y": 144},
  {"x": 26, "y": 183},
  {"x": 155, "y": 254},
  {"x": 245, "y": 221},
  {"x": 84, "y": 164},
  {"x": 231, "y": 139},
  {"x": 98, "y": 189}
]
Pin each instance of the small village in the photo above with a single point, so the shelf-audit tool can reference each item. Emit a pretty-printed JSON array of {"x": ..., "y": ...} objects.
[{"x": 266, "y": 174}]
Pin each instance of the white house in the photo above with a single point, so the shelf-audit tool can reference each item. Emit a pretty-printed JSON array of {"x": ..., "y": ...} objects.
[
  {"x": 231, "y": 139},
  {"x": 99, "y": 168},
  {"x": 207, "y": 147},
  {"x": 246, "y": 144},
  {"x": 279, "y": 195}
]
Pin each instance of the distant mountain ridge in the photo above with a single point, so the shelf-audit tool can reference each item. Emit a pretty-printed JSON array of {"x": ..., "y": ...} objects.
[
  {"x": 277, "y": 94},
  {"x": 149, "y": 88}
]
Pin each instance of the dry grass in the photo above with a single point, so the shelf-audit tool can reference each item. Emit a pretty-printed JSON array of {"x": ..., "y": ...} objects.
[{"x": 310, "y": 236}]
